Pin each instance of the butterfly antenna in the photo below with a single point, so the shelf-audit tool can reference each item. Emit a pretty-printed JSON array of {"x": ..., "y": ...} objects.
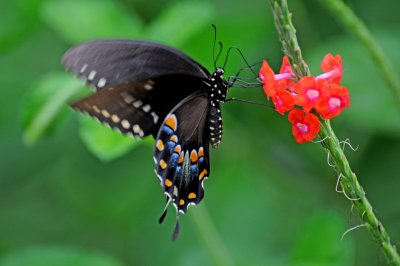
[
  {"x": 219, "y": 53},
  {"x": 248, "y": 67},
  {"x": 215, "y": 41},
  {"x": 241, "y": 54},
  {"x": 164, "y": 213},
  {"x": 235, "y": 81},
  {"x": 247, "y": 101},
  {"x": 175, "y": 234}
]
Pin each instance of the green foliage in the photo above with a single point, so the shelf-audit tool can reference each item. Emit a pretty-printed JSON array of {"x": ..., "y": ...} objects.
[
  {"x": 103, "y": 142},
  {"x": 318, "y": 242},
  {"x": 18, "y": 19},
  {"x": 78, "y": 21},
  {"x": 60, "y": 256},
  {"x": 45, "y": 108},
  {"x": 174, "y": 20}
]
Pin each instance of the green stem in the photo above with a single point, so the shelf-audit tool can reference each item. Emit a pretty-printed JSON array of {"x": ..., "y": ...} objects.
[
  {"x": 210, "y": 236},
  {"x": 348, "y": 180},
  {"x": 350, "y": 22}
]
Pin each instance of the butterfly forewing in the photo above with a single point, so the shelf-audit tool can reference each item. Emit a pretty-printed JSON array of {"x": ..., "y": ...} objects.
[
  {"x": 181, "y": 152},
  {"x": 107, "y": 63}
]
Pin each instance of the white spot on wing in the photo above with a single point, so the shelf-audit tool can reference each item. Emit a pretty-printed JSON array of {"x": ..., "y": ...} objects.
[
  {"x": 136, "y": 128},
  {"x": 83, "y": 68},
  {"x": 115, "y": 118},
  {"x": 96, "y": 109},
  {"x": 91, "y": 75},
  {"x": 148, "y": 86},
  {"x": 101, "y": 82},
  {"x": 125, "y": 124},
  {"x": 146, "y": 108},
  {"x": 138, "y": 103},
  {"x": 155, "y": 117},
  {"x": 105, "y": 113},
  {"x": 127, "y": 97}
]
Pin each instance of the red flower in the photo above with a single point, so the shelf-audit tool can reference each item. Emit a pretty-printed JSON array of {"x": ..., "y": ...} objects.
[
  {"x": 274, "y": 83},
  {"x": 283, "y": 101},
  {"x": 332, "y": 67},
  {"x": 334, "y": 101},
  {"x": 267, "y": 77},
  {"x": 305, "y": 126},
  {"x": 309, "y": 92},
  {"x": 286, "y": 68}
]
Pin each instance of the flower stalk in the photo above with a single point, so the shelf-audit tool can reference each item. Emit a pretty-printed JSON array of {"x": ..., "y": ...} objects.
[{"x": 347, "y": 179}]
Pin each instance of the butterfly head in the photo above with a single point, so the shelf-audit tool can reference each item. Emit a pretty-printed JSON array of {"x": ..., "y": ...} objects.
[
  {"x": 219, "y": 86},
  {"x": 219, "y": 71}
]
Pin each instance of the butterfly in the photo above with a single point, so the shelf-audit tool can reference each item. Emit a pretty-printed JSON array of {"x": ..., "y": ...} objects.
[{"x": 144, "y": 88}]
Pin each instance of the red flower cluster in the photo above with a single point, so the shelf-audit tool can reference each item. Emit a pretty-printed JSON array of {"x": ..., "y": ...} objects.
[{"x": 322, "y": 94}]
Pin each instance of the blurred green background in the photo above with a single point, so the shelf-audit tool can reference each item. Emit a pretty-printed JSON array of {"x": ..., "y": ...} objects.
[{"x": 74, "y": 193}]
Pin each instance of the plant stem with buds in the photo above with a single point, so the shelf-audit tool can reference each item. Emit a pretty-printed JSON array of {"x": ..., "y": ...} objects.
[{"x": 348, "y": 181}]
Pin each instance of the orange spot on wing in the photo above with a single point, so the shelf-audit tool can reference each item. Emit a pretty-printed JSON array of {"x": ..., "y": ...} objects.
[
  {"x": 181, "y": 202},
  {"x": 202, "y": 174},
  {"x": 171, "y": 122},
  {"x": 180, "y": 158},
  {"x": 173, "y": 138},
  {"x": 168, "y": 182},
  {"x": 192, "y": 195},
  {"x": 160, "y": 145},
  {"x": 163, "y": 164},
  {"x": 193, "y": 156},
  {"x": 201, "y": 152},
  {"x": 177, "y": 149}
]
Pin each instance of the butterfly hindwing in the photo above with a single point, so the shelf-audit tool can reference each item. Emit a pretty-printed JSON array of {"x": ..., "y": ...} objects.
[
  {"x": 137, "y": 108},
  {"x": 181, "y": 152},
  {"x": 107, "y": 63},
  {"x": 126, "y": 108}
]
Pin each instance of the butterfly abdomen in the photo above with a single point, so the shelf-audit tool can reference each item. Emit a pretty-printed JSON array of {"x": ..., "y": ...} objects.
[{"x": 214, "y": 124}]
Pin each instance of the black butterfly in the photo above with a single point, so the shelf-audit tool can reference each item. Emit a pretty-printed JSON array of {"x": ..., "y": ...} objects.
[{"x": 145, "y": 88}]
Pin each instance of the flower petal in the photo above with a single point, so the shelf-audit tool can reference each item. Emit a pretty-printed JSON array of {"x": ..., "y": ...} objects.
[
  {"x": 333, "y": 102},
  {"x": 267, "y": 76},
  {"x": 309, "y": 92},
  {"x": 283, "y": 101},
  {"x": 305, "y": 126},
  {"x": 286, "y": 68},
  {"x": 332, "y": 68}
]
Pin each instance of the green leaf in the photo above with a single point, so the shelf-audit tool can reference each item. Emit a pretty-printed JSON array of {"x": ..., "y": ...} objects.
[
  {"x": 181, "y": 22},
  {"x": 78, "y": 21},
  {"x": 320, "y": 242},
  {"x": 44, "y": 106},
  {"x": 18, "y": 19},
  {"x": 103, "y": 142},
  {"x": 60, "y": 256}
]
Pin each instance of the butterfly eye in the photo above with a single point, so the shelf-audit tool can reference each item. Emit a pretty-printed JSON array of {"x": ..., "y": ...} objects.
[{"x": 219, "y": 71}]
